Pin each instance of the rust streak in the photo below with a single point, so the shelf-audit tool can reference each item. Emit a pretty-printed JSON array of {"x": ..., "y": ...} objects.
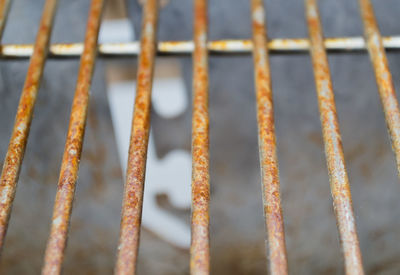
[
  {"x": 199, "y": 250},
  {"x": 267, "y": 144},
  {"x": 16, "y": 148},
  {"x": 339, "y": 182},
  {"x": 73, "y": 147},
  {"x": 383, "y": 76},
  {"x": 135, "y": 174}
]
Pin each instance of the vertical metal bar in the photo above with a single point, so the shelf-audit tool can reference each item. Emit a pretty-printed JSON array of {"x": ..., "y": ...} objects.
[
  {"x": 339, "y": 182},
  {"x": 383, "y": 76},
  {"x": 16, "y": 148},
  {"x": 267, "y": 144},
  {"x": 199, "y": 250},
  {"x": 136, "y": 168},
  {"x": 4, "y": 8},
  {"x": 57, "y": 241}
]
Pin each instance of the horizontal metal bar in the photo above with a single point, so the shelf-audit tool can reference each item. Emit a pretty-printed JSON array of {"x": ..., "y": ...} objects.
[{"x": 74, "y": 50}]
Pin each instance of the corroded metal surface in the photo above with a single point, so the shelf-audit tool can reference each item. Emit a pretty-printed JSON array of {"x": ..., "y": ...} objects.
[
  {"x": 200, "y": 248},
  {"x": 383, "y": 76},
  {"x": 16, "y": 148},
  {"x": 73, "y": 147},
  {"x": 340, "y": 187},
  {"x": 278, "y": 45},
  {"x": 135, "y": 173},
  {"x": 267, "y": 144},
  {"x": 302, "y": 208},
  {"x": 4, "y": 8}
]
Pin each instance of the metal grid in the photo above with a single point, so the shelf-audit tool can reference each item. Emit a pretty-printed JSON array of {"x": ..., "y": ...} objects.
[{"x": 147, "y": 49}]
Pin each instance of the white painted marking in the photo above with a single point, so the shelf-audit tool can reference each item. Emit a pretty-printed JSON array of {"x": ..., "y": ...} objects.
[
  {"x": 116, "y": 31},
  {"x": 170, "y": 175},
  {"x": 169, "y": 97}
]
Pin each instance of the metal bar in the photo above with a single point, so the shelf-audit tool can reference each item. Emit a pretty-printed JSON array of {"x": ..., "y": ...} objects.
[
  {"x": 4, "y": 9},
  {"x": 279, "y": 45},
  {"x": 136, "y": 168},
  {"x": 267, "y": 144},
  {"x": 339, "y": 182},
  {"x": 16, "y": 148},
  {"x": 57, "y": 241},
  {"x": 200, "y": 247},
  {"x": 383, "y": 76}
]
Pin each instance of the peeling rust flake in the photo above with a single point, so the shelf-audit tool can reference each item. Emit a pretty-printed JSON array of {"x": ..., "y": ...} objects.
[
  {"x": 19, "y": 137},
  {"x": 57, "y": 241},
  {"x": 136, "y": 168},
  {"x": 339, "y": 182},
  {"x": 267, "y": 144}
]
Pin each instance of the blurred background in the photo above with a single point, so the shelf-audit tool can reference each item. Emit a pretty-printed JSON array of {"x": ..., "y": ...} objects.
[{"x": 237, "y": 224}]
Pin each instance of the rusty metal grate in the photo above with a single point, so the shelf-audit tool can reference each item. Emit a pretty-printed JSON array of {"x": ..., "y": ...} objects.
[{"x": 200, "y": 47}]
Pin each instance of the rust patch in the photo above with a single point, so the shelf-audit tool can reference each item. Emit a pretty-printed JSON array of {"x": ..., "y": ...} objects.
[
  {"x": 19, "y": 137},
  {"x": 136, "y": 168},
  {"x": 57, "y": 241},
  {"x": 339, "y": 182},
  {"x": 267, "y": 144},
  {"x": 230, "y": 45}
]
